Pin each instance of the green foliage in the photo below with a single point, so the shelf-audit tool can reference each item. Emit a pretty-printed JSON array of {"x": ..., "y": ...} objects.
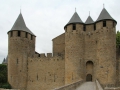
[
  {"x": 118, "y": 39},
  {"x": 6, "y": 86},
  {"x": 3, "y": 73},
  {"x": 3, "y": 77}
]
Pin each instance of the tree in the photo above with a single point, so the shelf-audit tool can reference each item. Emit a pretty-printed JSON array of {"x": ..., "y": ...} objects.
[
  {"x": 3, "y": 73},
  {"x": 3, "y": 77},
  {"x": 118, "y": 39}
]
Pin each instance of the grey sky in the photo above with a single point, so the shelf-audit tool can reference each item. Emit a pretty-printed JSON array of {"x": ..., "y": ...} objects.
[{"x": 47, "y": 18}]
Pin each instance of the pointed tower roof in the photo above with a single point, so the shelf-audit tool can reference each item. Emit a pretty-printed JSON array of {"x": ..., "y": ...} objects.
[
  {"x": 75, "y": 19},
  {"x": 6, "y": 59},
  {"x": 89, "y": 20},
  {"x": 3, "y": 61},
  {"x": 20, "y": 25},
  {"x": 104, "y": 15}
]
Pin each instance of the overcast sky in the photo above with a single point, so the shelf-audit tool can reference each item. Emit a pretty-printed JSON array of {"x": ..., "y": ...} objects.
[{"x": 47, "y": 18}]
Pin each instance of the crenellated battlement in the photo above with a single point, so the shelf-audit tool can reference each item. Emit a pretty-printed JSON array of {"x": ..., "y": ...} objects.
[{"x": 46, "y": 56}]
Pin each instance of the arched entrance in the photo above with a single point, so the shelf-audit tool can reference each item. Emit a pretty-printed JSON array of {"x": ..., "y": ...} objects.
[
  {"x": 89, "y": 65},
  {"x": 89, "y": 70},
  {"x": 89, "y": 77}
]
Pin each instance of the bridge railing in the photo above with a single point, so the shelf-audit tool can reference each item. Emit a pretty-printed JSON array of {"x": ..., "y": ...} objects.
[
  {"x": 71, "y": 86},
  {"x": 112, "y": 87}
]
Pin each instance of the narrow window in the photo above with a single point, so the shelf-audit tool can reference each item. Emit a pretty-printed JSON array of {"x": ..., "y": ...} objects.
[
  {"x": 26, "y": 34},
  {"x": 19, "y": 33},
  {"x": 66, "y": 29},
  {"x": 37, "y": 77},
  {"x": 31, "y": 37},
  {"x": 54, "y": 78},
  {"x": 104, "y": 23},
  {"x": 84, "y": 28},
  {"x": 17, "y": 61},
  {"x": 11, "y": 34},
  {"x": 74, "y": 26},
  {"x": 94, "y": 26},
  {"x": 113, "y": 24}
]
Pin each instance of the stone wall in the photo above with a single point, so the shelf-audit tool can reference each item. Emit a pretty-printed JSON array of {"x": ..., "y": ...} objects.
[
  {"x": 59, "y": 44},
  {"x": 46, "y": 72}
]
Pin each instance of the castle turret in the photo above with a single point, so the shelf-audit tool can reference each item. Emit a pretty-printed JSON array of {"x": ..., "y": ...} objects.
[
  {"x": 89, "y": 24},
  {"x": 74, "y": 49},
  {"x": 106, "y": 48},
  {"x": 21, "y": 46},
  {"x": 89, "y": 20}
]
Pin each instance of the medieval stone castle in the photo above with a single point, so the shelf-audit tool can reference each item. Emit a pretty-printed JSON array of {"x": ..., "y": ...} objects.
[{"x": 86, "y": 51}]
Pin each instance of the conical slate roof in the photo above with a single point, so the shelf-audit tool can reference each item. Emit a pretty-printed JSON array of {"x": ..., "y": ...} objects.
[
  {"x": 5, "y": 61},
  {"x": 20, "y": 25},
  {"x": 75, "y": 19},
  {"x": 104, "y": 15},
  {"x": 89, "y": 20}
]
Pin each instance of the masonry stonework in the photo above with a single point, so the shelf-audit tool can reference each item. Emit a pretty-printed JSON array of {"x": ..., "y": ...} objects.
[{"x": 85, "y": 52}]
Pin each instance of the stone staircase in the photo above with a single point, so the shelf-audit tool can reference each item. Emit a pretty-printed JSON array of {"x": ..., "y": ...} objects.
[
  {"x": 81, "y": 85},
  {"x": 87, "y": 86}
]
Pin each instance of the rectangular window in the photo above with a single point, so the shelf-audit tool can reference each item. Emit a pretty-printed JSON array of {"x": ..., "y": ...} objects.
[
  {"x": 74, "y": 26},
  {"x": 94, "y": 26},
  {"x": 11, "y": 34},
  {"x": 17, "y": 61},
  {"x": 31, "y": 37},
  {"x": 26, "y": 34},
  {"x": 19, "y": 33},
  {"x": 113, "y": 24},
  {"x": 104, "y": 23},
  {"x": 84, "y": 28}
]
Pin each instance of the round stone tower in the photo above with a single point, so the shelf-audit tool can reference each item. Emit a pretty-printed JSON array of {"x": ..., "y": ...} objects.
[
  {"x": 74, "y": 49},
  {"x": 106, "y": 48},
  {"x": 21, "y": 45}
]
